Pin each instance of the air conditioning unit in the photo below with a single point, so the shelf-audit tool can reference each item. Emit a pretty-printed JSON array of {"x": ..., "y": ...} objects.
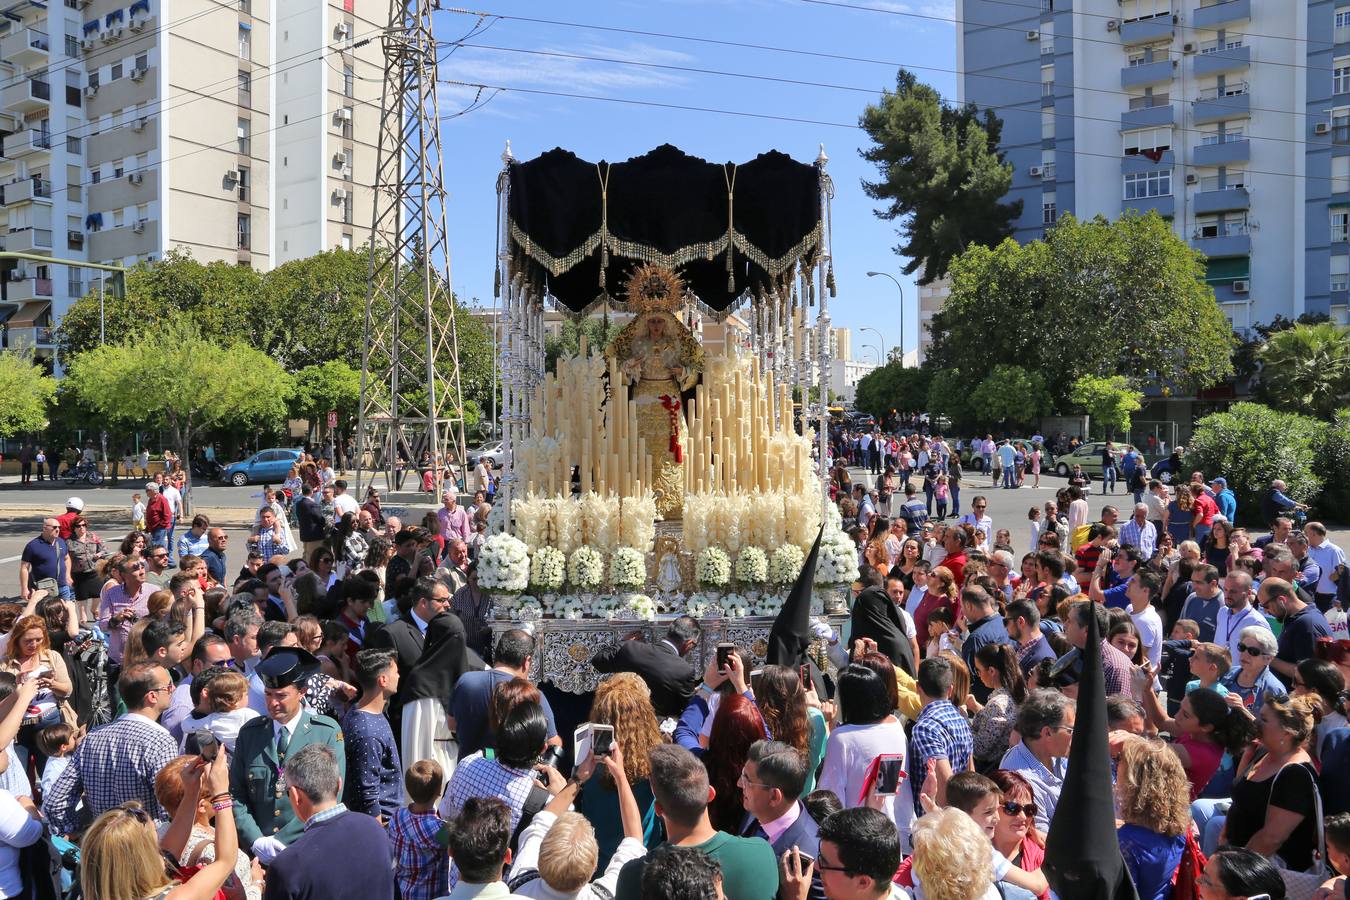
[
  {"x": 1192, "y": 178},
  {"x": 87, "y": 43},
  {"x": 139, "y": 73},
  {"x": 1241, "y": 286},
  {"x": 232, "y": 176},
  {"x": 138, "y": 226},
  {"x": 1322, "y": 128},
  {"x": 345, "y": 114},
  {"x": 112, "y": 33},
  {"x": 139, "y": 124},
  {"x": 1033, "y": 35},
  {"x": 338, "y": 196},
  {"x": 1190, "y": 47},
  {"x": 1035, "y": 171},
  {"x": 1112, "y": 24},
  {"x": 17, "y": 274},
  {"x": 346, "y": 171},
  {"x": 135, "y": 177},
  {"x": 137, "y": 23},
  {"x": 91, "y": 91},
  {"x": 339, "y": 160},
  {"x": 75, "y": 237},
  {"x": 342, "y": 31}
]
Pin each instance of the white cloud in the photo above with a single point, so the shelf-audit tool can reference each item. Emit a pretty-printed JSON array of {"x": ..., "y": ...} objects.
[
  {"x": 483, "y": 65},
  {"x": 939, "y": 9}
]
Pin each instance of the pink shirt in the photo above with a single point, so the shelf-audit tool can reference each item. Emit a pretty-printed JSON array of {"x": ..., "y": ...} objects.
[
  {"x": 454, "y": 524},
  {"x": 116, "y": 600},
  {"x": 781, "y": 824}
]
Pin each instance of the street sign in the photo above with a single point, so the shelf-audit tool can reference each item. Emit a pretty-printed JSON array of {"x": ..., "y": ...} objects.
[{"x": 332, "y": 418}]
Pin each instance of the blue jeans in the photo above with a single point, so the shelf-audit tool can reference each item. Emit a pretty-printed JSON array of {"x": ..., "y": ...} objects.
[
  {"x": 1009, "y": 477},
  {"x": 1209, "y": 818},
  {"x": 1109, "y": 479},
  {"x": 956, "y": 499},
  {"x": 169, "y": 546},
  {"x": 159, "y": 537},
  {"x": 928, "y": 497}
]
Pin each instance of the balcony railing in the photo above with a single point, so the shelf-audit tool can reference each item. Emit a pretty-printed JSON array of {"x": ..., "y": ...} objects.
[
  {"x": 1340, "y": 134},
  {"x": 1220, "y": 46},
  {"x": 1228, "y": 90},
  {"x": 41, "y": 89},
  {"x": 1211, "y": 183},
  {"x": 1047, "y": 174},
  {"x": 1227, "y": 229},
  {"x": 1150, "y": 101},
  {"x": 1226, "y": 137}
]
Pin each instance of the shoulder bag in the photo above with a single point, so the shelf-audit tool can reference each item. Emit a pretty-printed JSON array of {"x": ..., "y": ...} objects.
[{"x": 1304, "y": 885}]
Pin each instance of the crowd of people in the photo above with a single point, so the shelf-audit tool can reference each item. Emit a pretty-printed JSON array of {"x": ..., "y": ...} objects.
[{"x": 338, "y": 715}]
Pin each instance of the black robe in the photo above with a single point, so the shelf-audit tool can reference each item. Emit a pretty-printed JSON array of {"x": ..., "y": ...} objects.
[{"x": 876, "y": 616}]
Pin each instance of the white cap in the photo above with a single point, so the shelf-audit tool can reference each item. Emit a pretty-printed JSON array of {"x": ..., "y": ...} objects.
[{"x": 75, "y": 503}]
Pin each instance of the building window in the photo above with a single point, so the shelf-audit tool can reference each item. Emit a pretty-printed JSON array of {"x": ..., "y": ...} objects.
[
  {"x": 347, "y": 164},
  {"x": 1343, "y": 24},
  {"x": 1132, "y": 10},
  {"x": 246, "y": 6},
  {"x": 1340, "y": 273},
  {"x": 1047, "y": 38},
  {"x": 1148, "y": 184},
  {"x": 115, "y": 72},
  {"x": 1047, "y": 124},
  {"x": 1340, "y": 174},
  {"x": 1047, "y": 6},
  {"x": 242, "y": 134},
  {"x": 245, "y": 88},
  {"x": 72, "y": 144},
  {"x": 72, "y": 46},
  {"x": 143, "y": 61},
  {"x": 1047, "y": 81},
  {"x": 347, "y": 116},
  {"x": 243, "y": 184},
  {"x": 1049, "y": 209},
  {"x": 1340, "y": 76},
  {"x": 245, "y": 41},
  {"x": 245, "y": 226},
  {"x": 348, "y": 81},
  {"x": 93, "y": 79},
  {"x": 1147, "y": 141},
  {"x": 347, "y": 208},
  {"x": 1340, "y": 224}
]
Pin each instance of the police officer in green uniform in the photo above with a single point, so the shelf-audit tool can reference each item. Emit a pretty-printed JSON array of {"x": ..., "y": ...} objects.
[{"x": 262, "y": 812}]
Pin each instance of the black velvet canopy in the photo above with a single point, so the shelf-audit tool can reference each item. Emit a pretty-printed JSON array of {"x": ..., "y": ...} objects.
[{"x": 578, "y": 229}]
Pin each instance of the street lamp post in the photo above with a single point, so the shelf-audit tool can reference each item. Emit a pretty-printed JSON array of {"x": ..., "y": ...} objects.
[
  {"x": 882, "y": 341},
  {"x": 876, "y": 351},
  {"x": 901, "y": 288}
]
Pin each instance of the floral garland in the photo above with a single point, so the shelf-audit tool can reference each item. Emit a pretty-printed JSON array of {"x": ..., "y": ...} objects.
[
  {"x": 548, "y": 569},
  {"x": 585, "y": 569},
  {"x": 627, "y": 568},
  {"x": 698, "y": 605},
  {"x": 504, "y": 564},
  {"x": 767, "y": 605},
  {"x": 604, "y": 606},
  {"x": 752, "y": 566},
  {"x": 570, "y": 607},
  {"x": 713, "y": 567},
  {"x": 736, "y": 606},
  {"x": 639, "y": 606}
]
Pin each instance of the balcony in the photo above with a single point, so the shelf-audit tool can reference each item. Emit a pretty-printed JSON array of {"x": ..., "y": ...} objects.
[
  {"x": 1224, "y": 293},
  {"x": 1147, "y": 73},
  {"x": 1213, "y": 15},
  {"x": 116, "y": 243},
  {"x": 1220, "y": 200},
  {"x": 28, "y": 96},
  {"x": 27, "y": 143},
  {"x": 1146, "y": 31},
  {"x": 26, "y": 190},
  {"x": 25, "y": 47},
  {"x": 1222, "y": 153},
  {"x": 28, "y": 240},
  {"x": 28, "y": 289},
  {"x": 29, "y": 337},
  {"x": 120, "y": 143},
  {"x": 132, "y": 189},
  {"x": 1237, "y": 242},
  {"x": 1159, "y": 114},
  {"x": 1164, "y": 206},
  {"x": 1216, "y": 57},
  {"x": 124, "y": 93},
  {"x": 1219, "y": 105}
]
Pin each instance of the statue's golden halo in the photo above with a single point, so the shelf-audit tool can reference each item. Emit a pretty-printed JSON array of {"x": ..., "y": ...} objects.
[{"x": 653, "y": 288}]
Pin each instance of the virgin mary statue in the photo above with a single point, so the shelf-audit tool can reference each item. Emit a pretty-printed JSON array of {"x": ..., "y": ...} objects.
[{"x": 659, "y": 360}]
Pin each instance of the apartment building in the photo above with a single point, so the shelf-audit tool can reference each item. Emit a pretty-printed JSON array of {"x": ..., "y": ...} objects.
[
  {"x": 1231, "y": 118},
  {"x": 240, "y": 130}
]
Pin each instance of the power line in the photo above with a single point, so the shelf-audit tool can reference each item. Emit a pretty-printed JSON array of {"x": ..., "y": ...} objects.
[
  {"x": 1037, "y": 110},
  {"x": 778, "y": 118}
]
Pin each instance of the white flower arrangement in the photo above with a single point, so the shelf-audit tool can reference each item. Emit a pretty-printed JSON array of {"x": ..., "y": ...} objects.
[
  {"x": 695, "y": 517},
  {"x": 637, "y": 521},
  {"x": 529, "y": 609},
  {"x": 548, "y": 569},
  {"x": 585, "y": 569},
  {"x": 767, "y": 605},
  {"x": 838, "y": 560},
  {"x": 570, "y": 607},
  {"x": 604, "y": 606},
  {"x": 785, "y": 564},
  {"x": 504, "y": 564},
  {"x": 639, "y": 606},
  {"x": 713, "y": 567},
  {"x": 752, "y": 566},
  {"x": 627, "y": 568},
  {"x": 698, "y": 605},
  {"x": 736, "y": 606}
]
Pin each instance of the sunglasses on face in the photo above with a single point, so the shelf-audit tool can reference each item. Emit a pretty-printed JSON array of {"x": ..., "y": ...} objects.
[
  {"x": 1026, "y": 809},
  {"x": 1249, "y": 649}
]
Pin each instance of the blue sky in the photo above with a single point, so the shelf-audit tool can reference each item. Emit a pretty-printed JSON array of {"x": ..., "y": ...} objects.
[{"x": 916, "y": 33}]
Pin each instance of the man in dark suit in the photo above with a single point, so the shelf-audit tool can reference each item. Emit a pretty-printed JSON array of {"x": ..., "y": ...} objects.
[
  {"x": 407, "y": 635},
  {"x": 663, "y": 666},
  {"x": 771, "y": 781},
  {"x": 309, "y": 516},
  {"x": 340, "y": 853}
]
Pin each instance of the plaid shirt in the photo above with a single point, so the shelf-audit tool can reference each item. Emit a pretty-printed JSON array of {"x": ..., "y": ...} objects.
[
  {"x": 478, "y": 776},
  {"x": 1145, "y": 536},
  {"x": 940, "y": 732},
  {"x": 269, "y": 545},
  {"x": 116, "y": 763},
  {"x": 1116, "y": 670},
  {"x": 421, "y": 865}
]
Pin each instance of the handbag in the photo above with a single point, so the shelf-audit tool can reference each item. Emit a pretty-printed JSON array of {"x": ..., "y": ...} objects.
[{"x": 1304, "y": 885}]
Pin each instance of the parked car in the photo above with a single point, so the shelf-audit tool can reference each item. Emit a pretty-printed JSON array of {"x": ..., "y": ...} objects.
[
  {"x": 1089, "y": 456},
  {"x": 492, "y": 450},
  {"x": 974, "y": 462},
  {"x": 265, "y": 465}
]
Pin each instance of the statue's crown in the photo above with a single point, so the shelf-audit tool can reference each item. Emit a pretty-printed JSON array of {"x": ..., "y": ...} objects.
[{"x": 653, "y": 288}]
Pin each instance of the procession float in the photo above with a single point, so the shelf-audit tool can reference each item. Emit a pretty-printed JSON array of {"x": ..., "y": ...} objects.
[{"x": 649, "y": 479}]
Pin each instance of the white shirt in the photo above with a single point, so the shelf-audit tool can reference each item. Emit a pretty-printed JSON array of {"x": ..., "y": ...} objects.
[
  {"x": 17, "y": 830},
  {"x": 849, "y": 752},
  {"x": 984, "y": 525},
  {"x": 1150, "y": 628},
  {"x": 528, "y": 858},
  {"x": 288, "y": 726},
  {"x": 1230, "y": 625},
  {"x": 224, "y": 727},
  {"x": 344, "y": 503},
  {"x": 175, "y": 499},
  {"x": 1327, "y": 556}
]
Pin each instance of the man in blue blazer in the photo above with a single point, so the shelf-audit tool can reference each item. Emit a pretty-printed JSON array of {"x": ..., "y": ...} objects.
[
  {"x": 340, "y": 853},
  {"x": 771, "y": 783}
]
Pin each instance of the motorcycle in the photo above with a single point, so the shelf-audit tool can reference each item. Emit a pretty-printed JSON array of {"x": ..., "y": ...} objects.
[
  {"x": 207, "y": 470},
  {"x": 86, "y": 472}
]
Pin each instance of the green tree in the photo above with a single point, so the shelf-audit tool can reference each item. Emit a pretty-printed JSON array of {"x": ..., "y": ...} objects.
[
  {"x": 1332, "y": 465},
  {"x": 1252, "y": 445},
  {"x": 25, "y": 394},
  {"x": 330, "y": 386},
  {"x": 893, "y": 388},
  {"x": 1109, "y": 400},
  {"x": 1307, "y": 368},
  {"x": 949, "y": 395},
  {"x": 1010, "y": 394},
  {"x": 942, "y": 174},
  {"x": 598, "y": 330},
  {"x": 1094, "y": 298},
  {"x": 315, "y": 309},
  {"x": 174, "y": 378}
]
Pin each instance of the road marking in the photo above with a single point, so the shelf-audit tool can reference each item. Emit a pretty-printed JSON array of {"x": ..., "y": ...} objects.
[{"x": 10, "y": 559}]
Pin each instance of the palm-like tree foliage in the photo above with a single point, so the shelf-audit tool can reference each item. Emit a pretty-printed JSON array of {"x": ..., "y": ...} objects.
[{"x": 1307, "y": 368}]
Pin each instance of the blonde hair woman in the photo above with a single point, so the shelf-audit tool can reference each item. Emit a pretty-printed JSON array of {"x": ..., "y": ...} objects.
[
  {"x": 624, "y": 701},
  {"x": 1153, "y": 800},
  {"x": 952, "y": 857},
  {"x": 120, "y": 855}
]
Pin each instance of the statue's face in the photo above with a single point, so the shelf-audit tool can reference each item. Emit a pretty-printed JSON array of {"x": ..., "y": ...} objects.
[{"x": 656, "y": 327}]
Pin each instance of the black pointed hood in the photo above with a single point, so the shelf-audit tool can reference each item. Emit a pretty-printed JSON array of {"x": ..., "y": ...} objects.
[{"x": 791, "y": 632}]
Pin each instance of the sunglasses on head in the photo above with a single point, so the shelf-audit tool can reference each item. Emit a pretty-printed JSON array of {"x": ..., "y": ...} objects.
[{"x": 1026, "y": 809}]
